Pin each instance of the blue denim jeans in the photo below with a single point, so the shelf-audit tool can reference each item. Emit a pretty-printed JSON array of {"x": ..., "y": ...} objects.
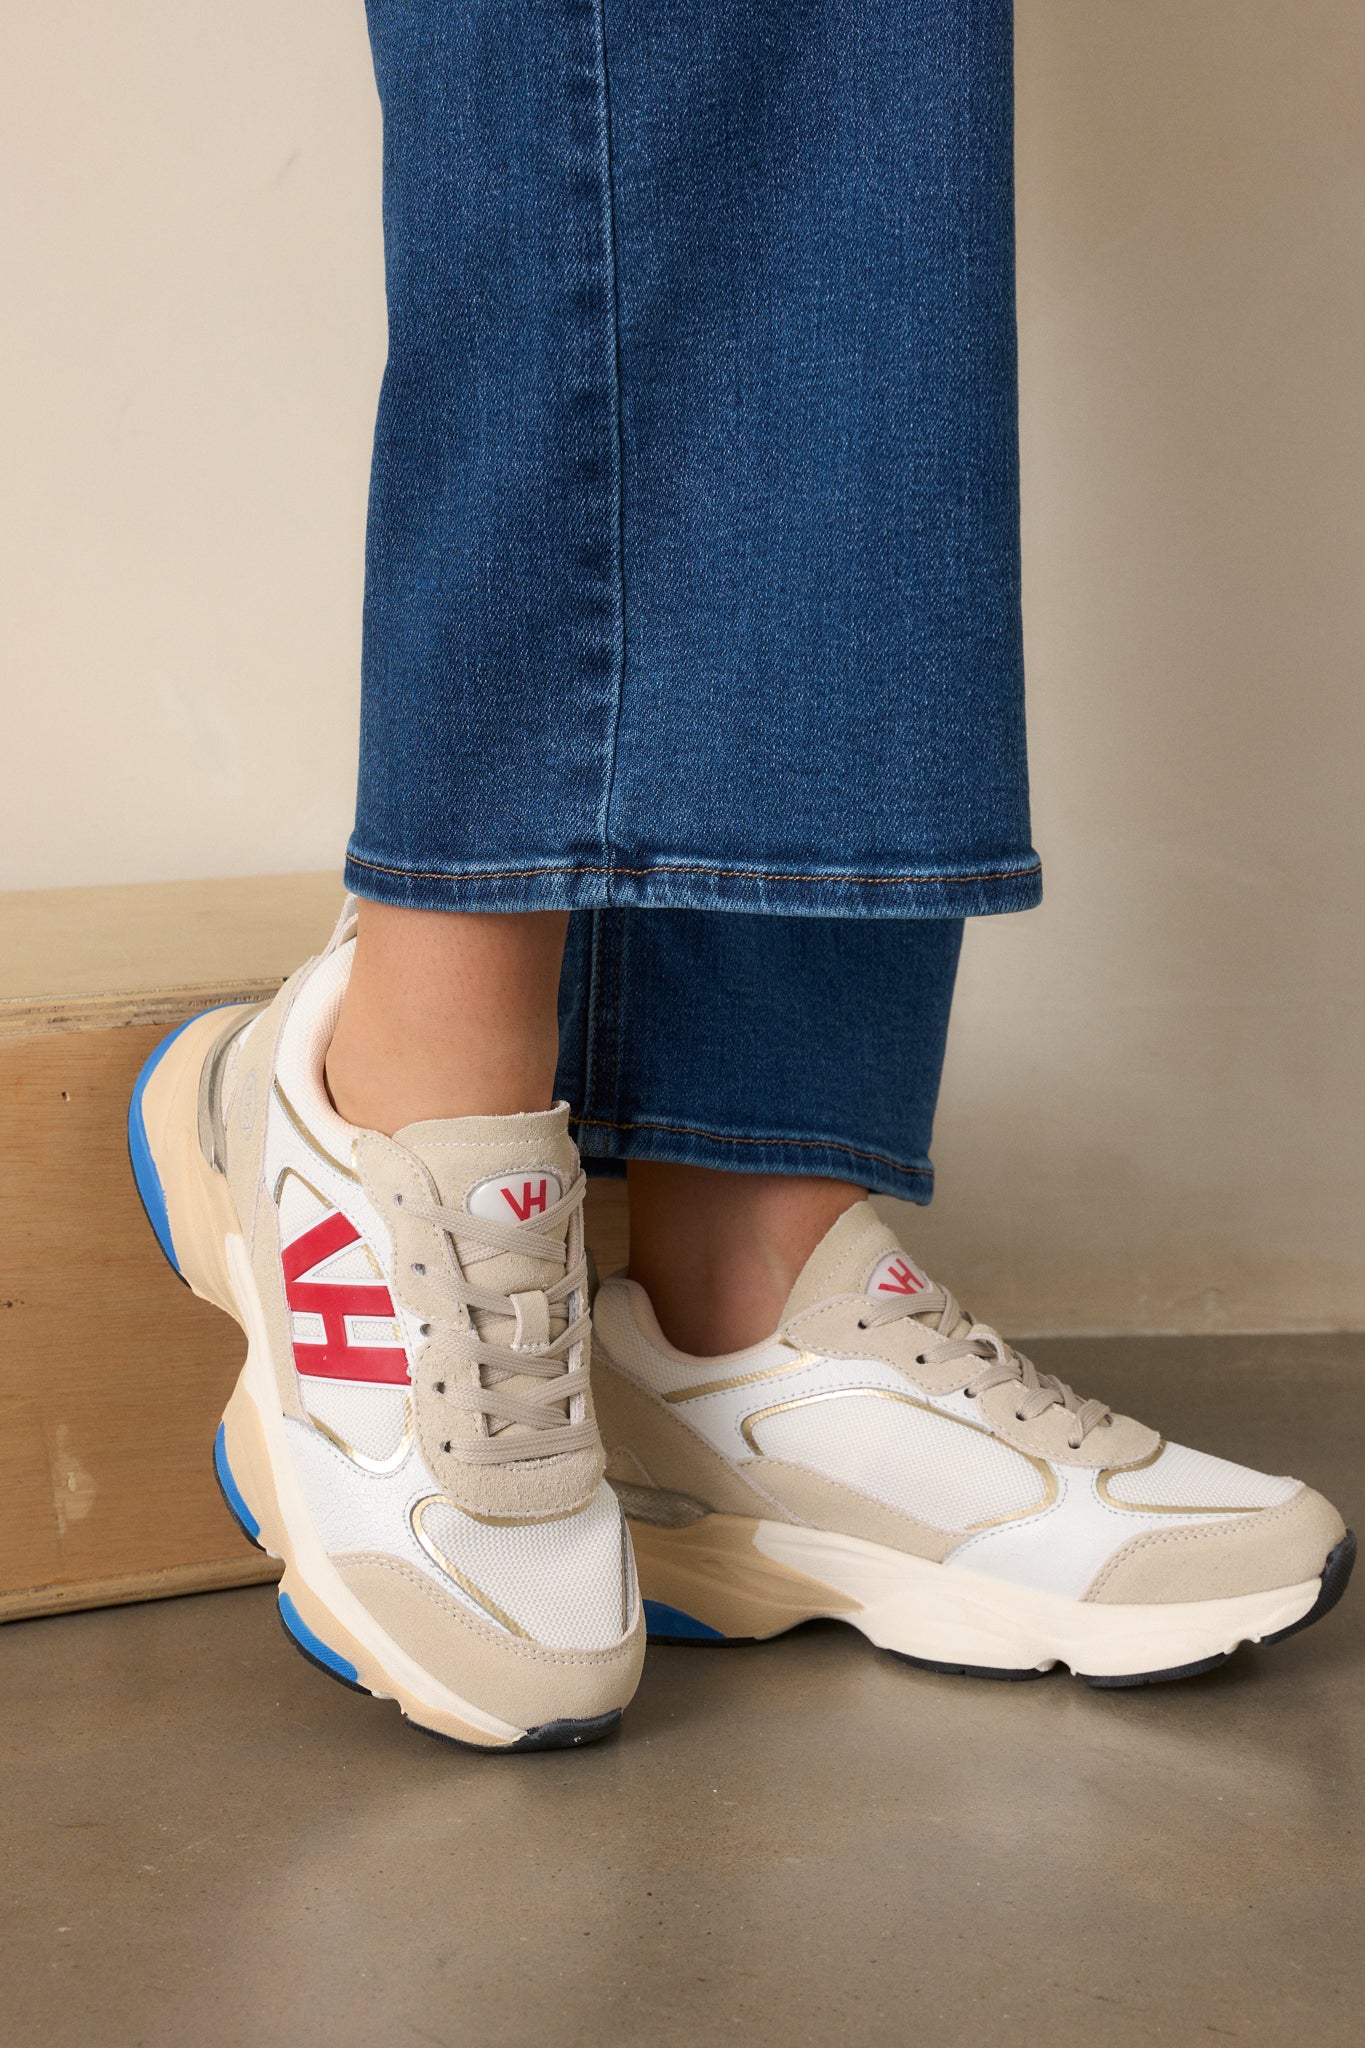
[{"x": 692, "y": 596}]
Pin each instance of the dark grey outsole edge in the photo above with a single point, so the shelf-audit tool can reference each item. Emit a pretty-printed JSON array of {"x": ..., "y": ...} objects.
[
  {"x": 549, "y": 1735},
  {"x": 1336, "y": 1574}
]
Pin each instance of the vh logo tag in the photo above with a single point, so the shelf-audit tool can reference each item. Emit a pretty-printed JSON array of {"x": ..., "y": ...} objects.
[
  {"x": 895, "y": 1275},
  {"x": 528, "y": 1193}
]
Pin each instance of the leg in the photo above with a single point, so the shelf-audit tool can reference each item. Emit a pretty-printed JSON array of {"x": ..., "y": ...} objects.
[{"x": 447, "y": 1013}]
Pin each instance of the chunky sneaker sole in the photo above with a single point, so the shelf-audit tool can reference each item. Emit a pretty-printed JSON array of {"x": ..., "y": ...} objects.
[
  {"x": 886, "y": 1462},
  {"x": 266, "y": 1461},
  {"x": 727, "y": 1580}
]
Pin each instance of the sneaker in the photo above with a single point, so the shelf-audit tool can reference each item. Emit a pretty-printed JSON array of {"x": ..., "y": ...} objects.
[
  {"x": 412, "y": 1434},
  {"x": 885, "y": 1460}
]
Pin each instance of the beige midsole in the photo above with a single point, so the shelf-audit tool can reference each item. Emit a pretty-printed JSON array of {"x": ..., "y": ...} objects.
[{"x": 756, "y": 1578}]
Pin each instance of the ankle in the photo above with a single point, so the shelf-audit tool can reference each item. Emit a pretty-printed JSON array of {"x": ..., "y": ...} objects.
[
  {"x": 719, "y": 1253},
  {"x": 447, "y": 1014},
  {"x": 384, "y": 1082}
]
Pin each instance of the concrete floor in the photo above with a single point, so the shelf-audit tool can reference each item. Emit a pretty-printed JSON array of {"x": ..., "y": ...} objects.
[{"x": 205, "y": 1842}]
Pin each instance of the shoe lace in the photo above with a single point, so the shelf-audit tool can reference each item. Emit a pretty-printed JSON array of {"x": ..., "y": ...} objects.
[
  {"x": 936, "y": 1311},
  {"x": 535, "y": 1351}
]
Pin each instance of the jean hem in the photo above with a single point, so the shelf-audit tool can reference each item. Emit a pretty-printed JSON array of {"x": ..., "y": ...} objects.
[
  {"x": 682, "y": 885},
  {"x": 606, "y": 1147}
]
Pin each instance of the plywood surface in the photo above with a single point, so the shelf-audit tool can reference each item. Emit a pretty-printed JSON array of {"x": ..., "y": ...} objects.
[
  {"x": 63, "y": 951},
  {"x": 112, "y": 1375}
]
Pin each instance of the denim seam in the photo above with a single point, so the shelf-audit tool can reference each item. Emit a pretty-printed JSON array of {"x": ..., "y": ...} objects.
[
  {"x": 590, "y": 1017},
  {"x": 664, "y": 868},
  {"x": 603, "y": 1123},
  {"x": 612, "y": 262}
]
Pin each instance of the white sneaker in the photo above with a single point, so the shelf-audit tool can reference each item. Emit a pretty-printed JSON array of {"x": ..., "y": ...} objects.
[
  {"x": 412, "y": 1432},
  {"x": 885, "y": 1460}
]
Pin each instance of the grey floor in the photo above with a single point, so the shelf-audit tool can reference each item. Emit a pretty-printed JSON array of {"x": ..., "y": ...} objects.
[{"x": 206, "y": 1842}]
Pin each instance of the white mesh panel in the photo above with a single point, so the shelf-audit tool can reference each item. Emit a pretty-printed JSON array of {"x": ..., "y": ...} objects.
[
  {"x": 1182, "y": 1478},
  {"x": 378, "y": 1330},
  {"x": 300, "y": 1208},
  {"x": 562, "y": 1582},
  {"x": 926, "y": 1465},
  {"x": 354, "y": 1262},
  {"x": 370, "y": 1419}
]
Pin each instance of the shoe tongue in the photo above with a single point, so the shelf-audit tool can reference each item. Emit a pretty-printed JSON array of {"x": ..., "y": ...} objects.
[
  {"x": 845, "y": 1260},
  {"x": 506, "y": 1169},
  {"x": 859, "y": 1255},
  {"x": 509, "y": 1169}
]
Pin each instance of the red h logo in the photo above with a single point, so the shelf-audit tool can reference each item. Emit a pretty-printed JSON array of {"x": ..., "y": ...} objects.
[
  {"x": 534, "y": 1201},
  {"x": 337, "y": 1358},
  {"x": 899, "y": 1280}
]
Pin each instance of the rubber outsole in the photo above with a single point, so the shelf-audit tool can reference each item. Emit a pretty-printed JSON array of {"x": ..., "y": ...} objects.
[{"x": 664, "y": 1630}]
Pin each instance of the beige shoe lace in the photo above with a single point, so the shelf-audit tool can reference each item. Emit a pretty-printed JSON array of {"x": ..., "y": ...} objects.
[
  {"x": 938, "y": 1315},
  {"x": 536, "y": 1351}
]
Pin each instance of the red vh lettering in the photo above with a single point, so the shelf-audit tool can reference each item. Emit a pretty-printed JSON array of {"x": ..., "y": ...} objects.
[
  {"x": 534, "y": 1201},
  {"x": 899, "y": 1280},
  {"x": 337, "y": 1358}
]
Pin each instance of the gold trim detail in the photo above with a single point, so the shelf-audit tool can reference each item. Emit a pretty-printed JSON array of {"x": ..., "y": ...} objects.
[
  {"x": 524, "y": 1521},
  {"x": 1040, "y": 1466},
  {"x": 627, "y": 1577},
  {"x": 292, "y": 1173},
  {"x": 438, "y": 1557},
  {"x": 1142, "y": 1507},
  {"x": 362, "y": 1458},
  {"x": 743, "y": 1379},
  {"x": 301, "y": 1127}
]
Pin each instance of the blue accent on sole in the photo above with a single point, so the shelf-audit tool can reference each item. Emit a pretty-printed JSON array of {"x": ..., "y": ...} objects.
[
  {"x": 140, "y": 1152},
  {"x": 668, "y": 1623},
  {"x": 313, "y": 1646},
  {"x": 232, "y": 1493}
]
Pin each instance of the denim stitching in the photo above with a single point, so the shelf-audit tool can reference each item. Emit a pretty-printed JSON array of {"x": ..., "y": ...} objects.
[
  {"x": 590, "y": 1019},
  {"x": 728, "y": 1138},
  {"x": 611, "y": 262},
  {"x": 728, "y": 874}
]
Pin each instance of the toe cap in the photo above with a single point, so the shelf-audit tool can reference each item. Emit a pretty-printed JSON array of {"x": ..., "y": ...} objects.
[
  {"x": 518, "y": 1680},
  {"x": 1253, "y": 1552}
]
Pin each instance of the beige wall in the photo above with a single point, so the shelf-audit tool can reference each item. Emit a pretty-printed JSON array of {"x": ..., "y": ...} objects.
[{"x": 1154, "y": 1116}]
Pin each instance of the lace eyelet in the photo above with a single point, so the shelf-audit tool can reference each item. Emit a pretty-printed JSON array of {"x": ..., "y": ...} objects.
[
  {"x": 861, "y": 1324},
  {"x": 1019, "y": 1415},
  {"x": 418, "y": 1267},
  {"x": 398, "y": 1201},
  {"x": 446, "y": 1445},
  {"x": 424, "y": 1329},
  {"x": 920, "y": 1358},
  {"x": 968, "y": 1394},
  {"x": 438, "y": 1386}
]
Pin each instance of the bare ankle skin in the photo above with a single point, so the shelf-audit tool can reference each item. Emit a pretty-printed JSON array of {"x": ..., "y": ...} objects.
[
  {"x": 448, "y": 1013},
  {"x": 718, "y": 1253}
]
